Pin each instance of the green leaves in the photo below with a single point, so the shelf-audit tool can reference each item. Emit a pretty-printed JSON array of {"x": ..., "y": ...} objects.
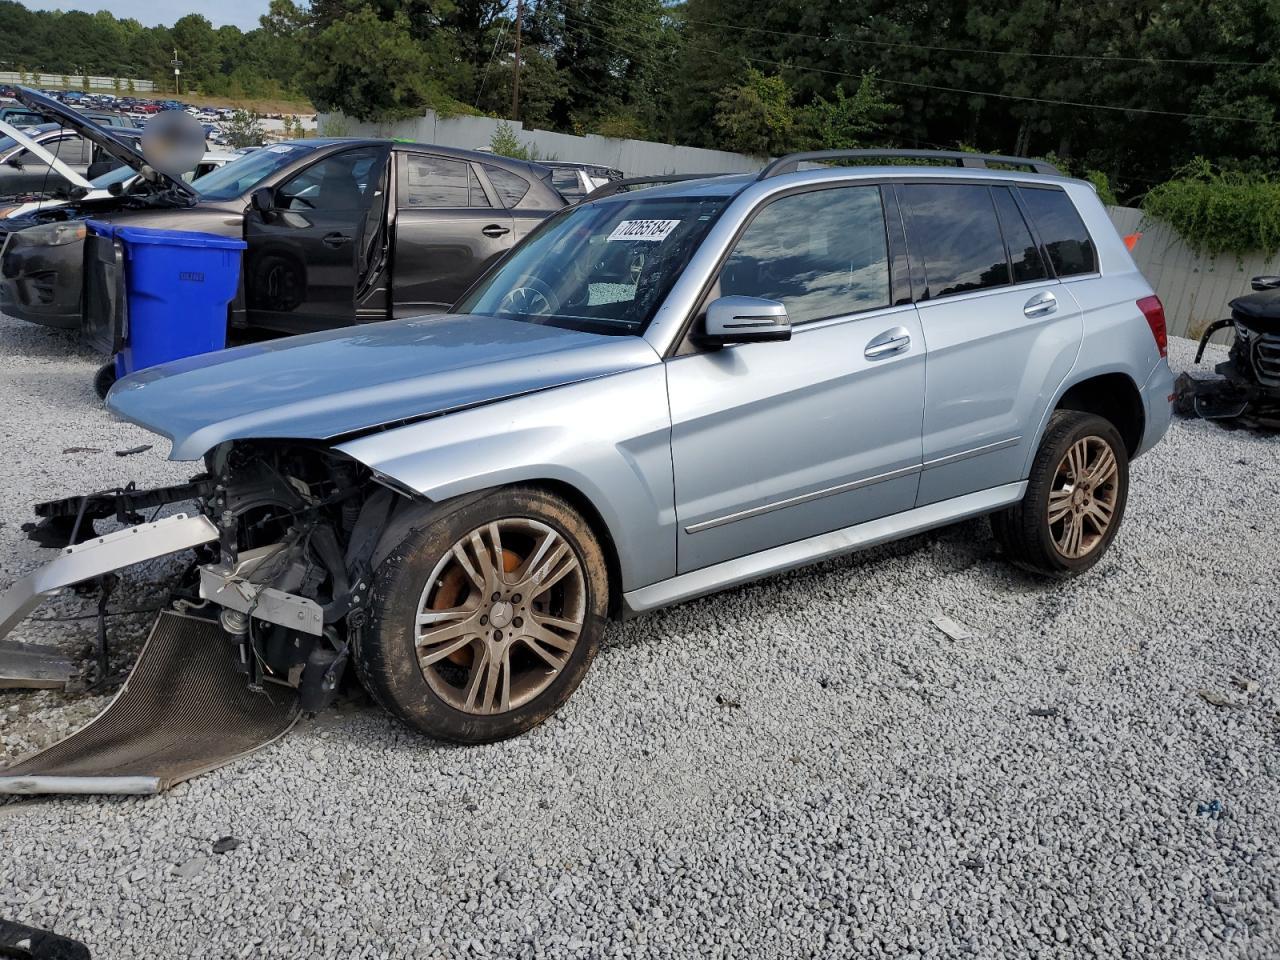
[{"x": 1218, "y": 211}]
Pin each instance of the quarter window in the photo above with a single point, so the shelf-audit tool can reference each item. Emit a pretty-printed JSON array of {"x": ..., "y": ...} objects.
[
  {"x": 1065, "y": 238},
  {"x": 952, "y": 230},
  {"x": 821, "y": 254},
  {"x": 511, "y": 187},
  {"x": 1024, "y": 255}
]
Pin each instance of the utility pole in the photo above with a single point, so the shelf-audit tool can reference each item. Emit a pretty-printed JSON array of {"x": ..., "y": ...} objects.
[
  {"x": 177, "y": 69},
  {"x": 515, "y": 83}
]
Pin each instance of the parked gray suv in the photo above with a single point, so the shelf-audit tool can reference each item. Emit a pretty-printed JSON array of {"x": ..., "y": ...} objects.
[{"x": 656, "y": 395}]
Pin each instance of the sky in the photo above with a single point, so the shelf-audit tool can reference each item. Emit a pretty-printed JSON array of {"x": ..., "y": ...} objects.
[{"x": 241, "y": 13}]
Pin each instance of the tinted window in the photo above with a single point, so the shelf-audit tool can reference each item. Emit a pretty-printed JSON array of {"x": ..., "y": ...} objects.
[
  {"x": 1023, "y": 253},
  {"x": 952, "y": 232},
  {"x": 241, "y": 175},
  {"x": 822, "y": 254},
  {"x": 1065, "y": 238},
  {"x": 511, "y": 187},
  {"x": 566, "y": 181},
  {"x": 339, "y": 182},
  {"x": 434, "y": 182},
  {"x": 475, "y": 193}
]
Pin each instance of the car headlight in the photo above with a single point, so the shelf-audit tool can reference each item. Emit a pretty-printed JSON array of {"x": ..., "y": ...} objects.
[{"x": 54, "y": 234}]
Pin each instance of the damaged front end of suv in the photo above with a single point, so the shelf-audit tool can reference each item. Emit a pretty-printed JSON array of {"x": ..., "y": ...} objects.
[{"x": 288, "y": 538}]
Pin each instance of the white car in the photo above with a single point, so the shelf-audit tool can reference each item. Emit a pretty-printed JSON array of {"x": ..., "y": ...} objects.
[{"x": 118, "y": 181}]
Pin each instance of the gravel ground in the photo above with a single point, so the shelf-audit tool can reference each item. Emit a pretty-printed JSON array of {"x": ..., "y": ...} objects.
[{"x": 803, "y": 767}]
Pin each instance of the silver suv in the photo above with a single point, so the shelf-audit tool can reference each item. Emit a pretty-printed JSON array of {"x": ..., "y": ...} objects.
[{"x": 656, "y": 395}]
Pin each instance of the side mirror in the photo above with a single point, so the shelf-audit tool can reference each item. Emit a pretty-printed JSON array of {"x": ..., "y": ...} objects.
[
  {"x": 745, "y": 320},
  {"x": 14, "y": 162},
  {"x": 263, "y": 200},
  {"x": 1265, "y": 283}
]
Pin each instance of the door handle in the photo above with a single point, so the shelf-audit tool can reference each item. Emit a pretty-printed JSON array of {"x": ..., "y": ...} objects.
[
  {"x": 495, "y": 230},
  {"x": 336, "y": 239},
  {"x": 893, "y": 340},
  {"x": 1041, "y": 305}
]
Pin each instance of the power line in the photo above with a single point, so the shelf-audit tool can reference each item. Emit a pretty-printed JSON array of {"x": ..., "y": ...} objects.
[{"x": 973, "y": 93}]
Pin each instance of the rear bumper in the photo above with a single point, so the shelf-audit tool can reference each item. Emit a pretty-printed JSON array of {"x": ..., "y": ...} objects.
[
  {"x": 1157, "y": 403},
  {"x": 43, "y": 285}
]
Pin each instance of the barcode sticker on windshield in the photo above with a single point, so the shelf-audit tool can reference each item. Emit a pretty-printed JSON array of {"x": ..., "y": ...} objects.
[{"x": 643, "y": 229}]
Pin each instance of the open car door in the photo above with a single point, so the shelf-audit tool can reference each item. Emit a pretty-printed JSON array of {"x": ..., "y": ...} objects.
[{"x": 313, "y": 241}]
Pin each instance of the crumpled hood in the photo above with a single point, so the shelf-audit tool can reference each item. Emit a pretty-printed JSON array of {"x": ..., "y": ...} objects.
[{"x": 324, "y": 385}]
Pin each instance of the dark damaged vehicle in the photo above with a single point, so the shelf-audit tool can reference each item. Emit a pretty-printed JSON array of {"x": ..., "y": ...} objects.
[{"x": 338, "y": 231}]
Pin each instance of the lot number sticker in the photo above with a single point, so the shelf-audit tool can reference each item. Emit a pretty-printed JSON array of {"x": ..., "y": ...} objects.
[{"x": 643, "y": 229}]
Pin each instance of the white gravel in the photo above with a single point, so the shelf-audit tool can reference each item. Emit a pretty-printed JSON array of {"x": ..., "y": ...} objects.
[{"x": 865, "y": 786}]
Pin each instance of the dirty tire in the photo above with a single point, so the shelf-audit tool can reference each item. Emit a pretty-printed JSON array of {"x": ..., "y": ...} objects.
[
  {"x": 387, "y": 657},
  {"x": 105, "y": 379},
  {"x": 1023, "y": 530}
]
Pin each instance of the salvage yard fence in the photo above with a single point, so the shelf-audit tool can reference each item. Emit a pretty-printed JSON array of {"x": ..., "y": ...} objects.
[
  {"x": 1195, "y": 288},
  {"x": 76, "y": 81}
]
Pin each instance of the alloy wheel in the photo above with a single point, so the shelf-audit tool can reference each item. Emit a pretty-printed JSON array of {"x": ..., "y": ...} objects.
[
  {"x": 1082, "y": 499},
  {"x": 500, "y": 616}
]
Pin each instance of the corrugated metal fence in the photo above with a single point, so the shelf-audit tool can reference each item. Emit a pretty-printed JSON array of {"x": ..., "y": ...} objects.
[{"x": 1194, "y": 288}]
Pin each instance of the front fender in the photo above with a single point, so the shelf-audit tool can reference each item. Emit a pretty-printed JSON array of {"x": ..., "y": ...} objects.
[{"x": 608, "y": 438}]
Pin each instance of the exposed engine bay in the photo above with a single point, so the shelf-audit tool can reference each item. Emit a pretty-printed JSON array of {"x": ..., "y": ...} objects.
[{"x": 288, "y": 571}]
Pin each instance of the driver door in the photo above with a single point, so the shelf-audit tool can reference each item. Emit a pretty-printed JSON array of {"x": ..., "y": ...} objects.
[{"x": 308, "y": 254}]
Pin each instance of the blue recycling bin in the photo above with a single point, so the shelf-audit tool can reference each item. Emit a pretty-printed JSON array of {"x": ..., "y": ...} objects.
[{"x": 177, "y": 284}]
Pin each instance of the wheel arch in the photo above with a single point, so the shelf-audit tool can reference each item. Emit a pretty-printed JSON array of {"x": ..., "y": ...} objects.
[{"x": 1113, "y": 396}]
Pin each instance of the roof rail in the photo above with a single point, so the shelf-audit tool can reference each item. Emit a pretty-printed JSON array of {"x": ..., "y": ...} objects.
[
  {"x": 619, "y": 186},
  {"x": 791, "y": 162}
]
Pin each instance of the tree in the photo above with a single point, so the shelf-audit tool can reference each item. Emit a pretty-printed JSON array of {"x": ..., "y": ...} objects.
[
  {"x": 757, "y": 116},
  {"x": 243, "y": 130},
  {"x": 848, "y": 122}
]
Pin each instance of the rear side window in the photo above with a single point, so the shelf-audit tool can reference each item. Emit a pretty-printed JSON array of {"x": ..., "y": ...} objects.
[
  {"x": 1024, "y": 255},
  {"x": 952, "y": 231},
  {"x": 1061, "y": 230},
  {"x": 435, "y": 182},
  {"x": 822, "y": 254},
  {"x": 511, "y": 187}
]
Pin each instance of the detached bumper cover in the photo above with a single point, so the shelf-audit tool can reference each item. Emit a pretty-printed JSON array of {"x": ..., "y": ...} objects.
[{"x": 102, "y": 555}]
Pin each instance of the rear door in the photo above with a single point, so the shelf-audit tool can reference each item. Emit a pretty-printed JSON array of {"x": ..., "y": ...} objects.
[
  {"x": 1001, "y": 331},
  {"x": 449, "y": 226},
  {"x": 308, "y": 255}
]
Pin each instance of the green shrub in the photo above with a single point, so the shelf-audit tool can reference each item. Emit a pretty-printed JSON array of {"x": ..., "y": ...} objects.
[{"x": 1217, "y": 211}]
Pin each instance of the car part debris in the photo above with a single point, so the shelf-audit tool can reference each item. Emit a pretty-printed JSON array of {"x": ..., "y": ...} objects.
[
  {"x": 81, "y": 450},
  {"x": 34, "y": 666},
  {"x": 185, "y": 710},
  {"x": 1213, "y": 809},
  {"x": 225, "y": 844},
  {"x": 1246, "y": 386},
  {"x": 952, "y": 628},
  {"x": 31, "y": 943},
  {"x": 1225, "y": 700},
  {"x": 99, "y": 556},
  {"x": 130, "y": 451}
]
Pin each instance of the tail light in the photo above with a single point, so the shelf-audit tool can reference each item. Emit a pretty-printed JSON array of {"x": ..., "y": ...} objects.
[{"x": 1153, "y": 310}]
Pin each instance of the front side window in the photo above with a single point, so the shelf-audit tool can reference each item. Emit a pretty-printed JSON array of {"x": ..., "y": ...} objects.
[
  {"x": 953, "y": 233},
  {"x": 1065, "y": 238},
  {"x": 601, "y": 268},
  {"x": 821, "y": 254},
  {"x": 343, "y": 181}
]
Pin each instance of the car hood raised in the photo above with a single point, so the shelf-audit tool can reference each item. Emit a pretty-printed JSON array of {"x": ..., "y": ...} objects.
[
  {"x": 341, "y": 382},
  {"x": 113, "y": 145}
]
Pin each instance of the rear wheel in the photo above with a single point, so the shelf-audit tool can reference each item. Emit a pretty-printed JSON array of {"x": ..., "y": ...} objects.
[
  {"x": 487, "y": 617},
  {"x": 1075, "y": 498}
]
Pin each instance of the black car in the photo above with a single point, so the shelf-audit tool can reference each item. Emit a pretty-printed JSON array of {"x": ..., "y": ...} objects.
[{"x": 339, "y": 230}]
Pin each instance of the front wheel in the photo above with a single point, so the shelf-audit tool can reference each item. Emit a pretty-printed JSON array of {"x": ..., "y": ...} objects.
[
  {"x": 486, "y": 617},
  {"x": 1075, "y": 498}
]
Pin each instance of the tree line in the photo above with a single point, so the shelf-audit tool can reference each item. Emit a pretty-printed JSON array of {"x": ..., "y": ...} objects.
[{"x": 1134, "y": 89}]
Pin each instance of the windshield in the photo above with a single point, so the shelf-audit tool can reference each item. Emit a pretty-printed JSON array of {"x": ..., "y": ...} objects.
[
  {"x": 602, "y": 268},
  {"x": 240, "y": 176}
]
